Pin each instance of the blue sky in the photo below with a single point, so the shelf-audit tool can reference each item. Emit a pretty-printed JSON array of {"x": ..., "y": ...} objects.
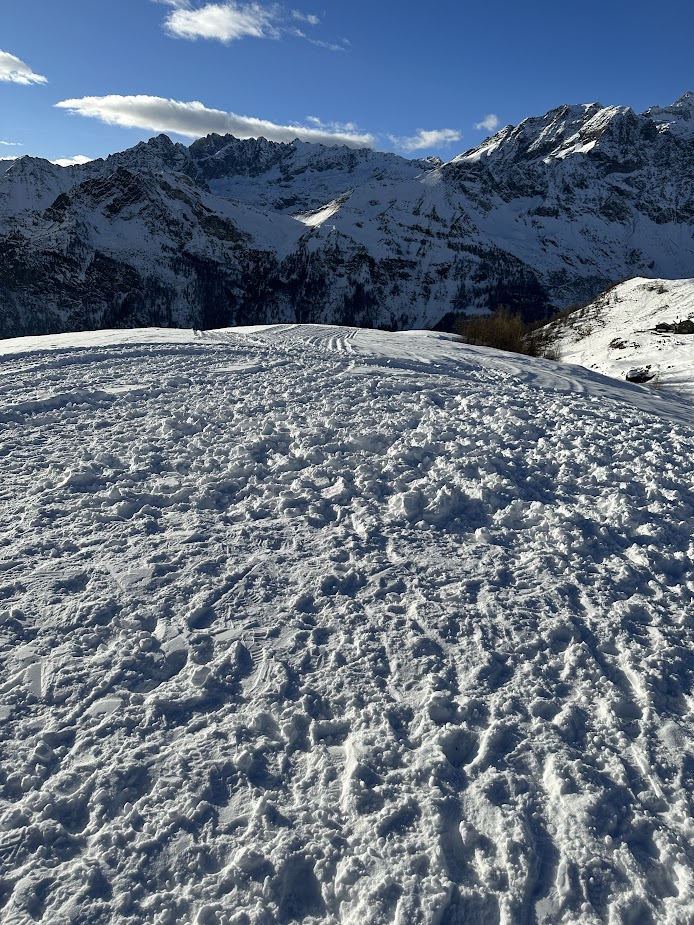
[{"x": 89, "y": 77}]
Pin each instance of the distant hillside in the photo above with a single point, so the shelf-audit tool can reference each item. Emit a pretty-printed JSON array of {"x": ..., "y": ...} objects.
[{"x": 642, "y": 324}]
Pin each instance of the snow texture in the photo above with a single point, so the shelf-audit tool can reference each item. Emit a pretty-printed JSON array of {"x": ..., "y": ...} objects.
[{"x": 314, "y": 624}]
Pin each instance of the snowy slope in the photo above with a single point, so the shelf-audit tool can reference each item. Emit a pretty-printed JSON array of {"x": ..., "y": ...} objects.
[
  {"x": 617, "y": 333},
  {"x": 294, "y": 178},
  {"x": 334, "y": 626}
]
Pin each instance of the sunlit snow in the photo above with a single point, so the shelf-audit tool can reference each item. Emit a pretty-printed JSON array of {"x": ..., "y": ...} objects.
[{"x": 314, "y": 624}]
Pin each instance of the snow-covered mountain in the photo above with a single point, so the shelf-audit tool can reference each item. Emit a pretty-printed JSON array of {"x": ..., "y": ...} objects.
[
  {"x": 339, "y": 627},
  {"x": 642, "y": 325},
  {"x": 541, "y": 215}
]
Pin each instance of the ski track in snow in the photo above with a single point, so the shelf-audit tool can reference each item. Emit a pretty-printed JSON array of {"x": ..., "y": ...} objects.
[{"x": 324, "y": 625}]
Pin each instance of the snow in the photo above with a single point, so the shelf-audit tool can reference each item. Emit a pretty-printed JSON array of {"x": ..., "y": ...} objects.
[
  {"x": 325, "y": 625},
  {"x": 309, "y": 177},
  {"x": 31, "y": 183},
  {"x": 315, "y": 219},
  {"x": 677, "y": 119},
  {"x": 617, "y": 333},
  {"x": 575, "y": 145}
]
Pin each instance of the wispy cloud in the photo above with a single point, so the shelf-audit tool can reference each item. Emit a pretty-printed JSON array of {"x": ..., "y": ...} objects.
[
  {"x": 11, "y": 144},
  {"x": 193, "y": 120},
  {"x": 15, "y": 71},
  {"x": 331, "y": 46},
  {"x": 72, "y": 161},
  {"x": 490, "y": 123},
  {"x": 230, "y": 21},
  {"x": 342, "y": 128},
  {"x": 309, "y": 18},
  {"x": 425, "y": 139}
]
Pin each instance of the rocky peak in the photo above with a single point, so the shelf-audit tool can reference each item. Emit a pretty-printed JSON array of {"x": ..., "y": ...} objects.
[
  {"x": 560, "y": 132},
  {"x": 534, "y": 138},
  {"x": 218, "y": 156},
  {"x": 157, "y": 153},
  {"x": 31, "y": 183},
  {"x": 677, "y": 118}
]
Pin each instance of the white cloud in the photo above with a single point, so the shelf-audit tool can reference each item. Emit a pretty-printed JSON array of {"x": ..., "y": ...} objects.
[
  {"x": 11, "y": 144},
  {"x": 425, "y": 139},
  {"x": 224, "y": 22},
  {"x": 14, "y": 70},
  {"x": 489, "y": 123},
  {"x": 309, "y": 18},
  {"x": 72, "y": 161},
  {"x": 194, "y": 120}
]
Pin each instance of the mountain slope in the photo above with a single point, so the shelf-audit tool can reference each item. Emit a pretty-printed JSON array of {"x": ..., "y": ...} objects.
[
  {"x": 334, "y": 626},
  {"x": 639, "y": 324},
  {"x": 541, "y": 215}
]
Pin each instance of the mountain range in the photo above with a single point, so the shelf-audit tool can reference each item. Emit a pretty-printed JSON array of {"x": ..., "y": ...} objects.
[{"x": 541, "y": 215}]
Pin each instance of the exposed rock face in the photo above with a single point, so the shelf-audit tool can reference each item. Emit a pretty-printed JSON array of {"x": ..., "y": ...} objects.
[{"x": 541, "y": 215}]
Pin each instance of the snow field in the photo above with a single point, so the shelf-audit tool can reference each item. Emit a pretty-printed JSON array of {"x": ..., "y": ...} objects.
[{"x": 313, "y": 624}]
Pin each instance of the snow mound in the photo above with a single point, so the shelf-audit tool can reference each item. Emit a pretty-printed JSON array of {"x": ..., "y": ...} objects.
[
  {"x": 640, "y": 324},
  {"x": 315, "y": 624}
]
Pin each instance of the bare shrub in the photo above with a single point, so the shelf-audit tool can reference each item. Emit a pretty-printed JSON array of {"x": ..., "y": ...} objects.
[{"x": 505, "y": 330}]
